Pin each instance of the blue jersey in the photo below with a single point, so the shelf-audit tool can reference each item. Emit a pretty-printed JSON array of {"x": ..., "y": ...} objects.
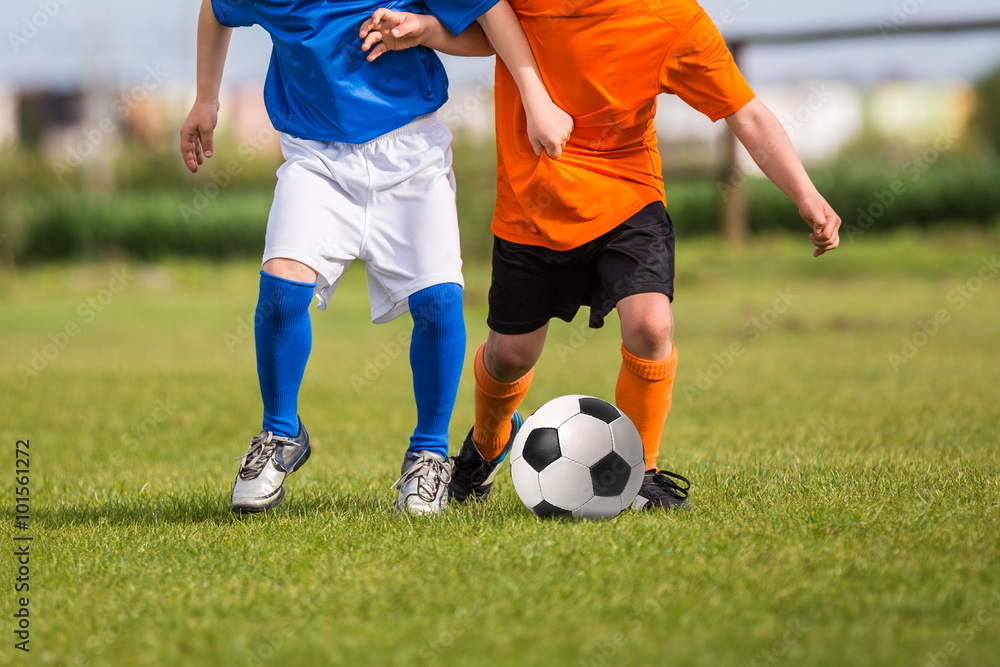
[{"x": 319, "y": 85}]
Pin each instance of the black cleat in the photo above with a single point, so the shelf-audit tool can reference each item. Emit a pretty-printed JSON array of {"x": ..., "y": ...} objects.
[
  {"x": 471, "y": 474},
  {"x": 660, "y": 491}
]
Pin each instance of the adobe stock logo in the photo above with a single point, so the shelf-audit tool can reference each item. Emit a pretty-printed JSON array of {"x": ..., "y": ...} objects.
[
  {"x": 968, "y": 631},
  {"x": 752, "y": 330},
  {"x": 779, "y": 649},
  {"x": 93, "y": 137},
  {"x": 35, "y": 23},
  {"x": 900, "y": 16},
  {"x": 41, "y": 357},
  {"x": 913, "y": 169},
  {"x": 958, "y": 297}
]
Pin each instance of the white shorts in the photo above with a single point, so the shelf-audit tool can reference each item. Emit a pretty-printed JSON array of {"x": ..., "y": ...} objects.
[{"x": 389, "y": 202}]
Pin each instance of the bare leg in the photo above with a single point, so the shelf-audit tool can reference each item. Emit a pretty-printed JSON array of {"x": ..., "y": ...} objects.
[
  {"x": 503, "y": 374},
  {"x": 647, "y": 325},
  {"x": 509, "y": 357},
  {"x": 289, "y": 269},
  {"x": 649, "y": 363}
]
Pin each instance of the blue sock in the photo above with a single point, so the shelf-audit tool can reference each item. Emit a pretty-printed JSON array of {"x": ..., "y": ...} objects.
[
  {"x": 283, "y": 336},
  {"x": 437, "y": 352}
]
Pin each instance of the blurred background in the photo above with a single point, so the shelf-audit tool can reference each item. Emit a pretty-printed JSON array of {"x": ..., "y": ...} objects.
[{"x": 92, "y": 95}]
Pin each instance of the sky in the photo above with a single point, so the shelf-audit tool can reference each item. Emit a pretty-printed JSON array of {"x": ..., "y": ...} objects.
[{"x": 63, "y": 43}]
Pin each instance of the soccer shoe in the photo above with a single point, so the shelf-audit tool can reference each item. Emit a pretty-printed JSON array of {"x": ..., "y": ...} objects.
[
  {"x": 269, "y": 459},
  {"x": 659, "y": 490},
  {"x": 471, "y": 474},
  {"x": 423, "y": 483}
]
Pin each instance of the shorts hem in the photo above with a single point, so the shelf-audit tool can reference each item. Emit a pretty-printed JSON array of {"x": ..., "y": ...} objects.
[
  {"x": 390, "y": 310},
  {"x": 597, "y": 316},
  {"x": 534, "y": 325},
  {"x": 290, "y": 253},
  {"x": 650, "y": 288}
]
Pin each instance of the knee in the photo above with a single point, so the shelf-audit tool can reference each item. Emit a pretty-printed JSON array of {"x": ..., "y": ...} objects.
[
  {"x": 507, "y": 363},
  {"x": 651, "y": 335},
  {"x": 437, "y": 310},
  {"x": 281, "y": 301}
]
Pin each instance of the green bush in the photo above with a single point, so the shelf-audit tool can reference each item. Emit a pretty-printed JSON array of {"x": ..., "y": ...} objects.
[
  {"x": 140, "y": 225},
  {"x": 221, "y": 222}
]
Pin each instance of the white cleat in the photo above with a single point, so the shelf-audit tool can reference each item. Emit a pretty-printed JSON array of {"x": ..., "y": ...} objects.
[
  {"x": 269, "y": 459},
  {"x": 423, "y": 483}
]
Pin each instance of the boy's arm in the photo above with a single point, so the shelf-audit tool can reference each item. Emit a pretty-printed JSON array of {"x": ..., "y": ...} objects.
[
  {"x": 549, "y": 127},
  {"x": 388, "y": 30},
  {"x": 199, "y": 126},
  {"x": 769, "y": 146}
]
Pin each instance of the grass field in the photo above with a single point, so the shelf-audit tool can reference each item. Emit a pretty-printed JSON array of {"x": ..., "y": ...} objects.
[{"x": 847, "y": 499}]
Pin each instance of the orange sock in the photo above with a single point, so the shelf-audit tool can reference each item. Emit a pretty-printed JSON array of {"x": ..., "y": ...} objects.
[
  {"x": 643, "y": 393},
  {"x": 495, "y": 405}
]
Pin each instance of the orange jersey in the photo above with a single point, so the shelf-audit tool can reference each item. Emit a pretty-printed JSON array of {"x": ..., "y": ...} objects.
[{"x": 603, "y": 62}]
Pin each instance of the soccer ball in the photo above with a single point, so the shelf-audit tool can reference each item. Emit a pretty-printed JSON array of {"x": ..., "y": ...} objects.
[{"x": 577, "y": 456}]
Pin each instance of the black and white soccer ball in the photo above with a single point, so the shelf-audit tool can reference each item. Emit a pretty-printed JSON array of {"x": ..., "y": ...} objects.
[{"x": 577, "y": 456}]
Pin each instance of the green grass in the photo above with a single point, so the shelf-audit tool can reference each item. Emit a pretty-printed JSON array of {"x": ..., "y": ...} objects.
[{"x": 847, "y": 510}]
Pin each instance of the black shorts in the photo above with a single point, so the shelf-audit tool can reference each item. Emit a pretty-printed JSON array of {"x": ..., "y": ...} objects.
[{"x": 532, "y": 284}]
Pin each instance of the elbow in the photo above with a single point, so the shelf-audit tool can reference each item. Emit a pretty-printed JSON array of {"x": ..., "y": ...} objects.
[
  {"x": 752, "y": 120},
  {"x": 747, "y": 115}
]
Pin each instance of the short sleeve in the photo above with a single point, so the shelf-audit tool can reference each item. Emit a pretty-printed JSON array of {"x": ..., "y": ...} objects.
[
  {"x": 700, "y": 70},
  {"x": 234, "y": 13},
  {"x": 457, "y": 15}
]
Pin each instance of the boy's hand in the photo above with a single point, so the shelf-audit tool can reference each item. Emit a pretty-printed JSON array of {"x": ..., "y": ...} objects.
[
  {"x": 549, "y": 128},
  {"x": 825, "y": 225},
  {"x": 197, "y": 132},
  {"x": 387, "y": 30}
]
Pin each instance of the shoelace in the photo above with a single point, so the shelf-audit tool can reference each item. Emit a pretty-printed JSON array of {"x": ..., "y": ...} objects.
[
  {"x": 468, "y": 471},
  {"x": 257, "y": 455},
  {"x": 664, "y": 479},
  {"x": 424, "y": 468}
]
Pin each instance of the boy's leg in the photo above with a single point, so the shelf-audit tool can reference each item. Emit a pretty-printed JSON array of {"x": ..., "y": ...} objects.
[
  {"x": 645, "y": 386},
  {"x": 530, "y": 286},
  {"x": 649, "y": 362},
  {"x": 504, "y": 367},
  {"x": 413, "y": 260},
  {"x": 437, "y": 353},
  {"x": 503, "y": 371},
  {"x": 283, "y": 339},
  {"x": 314, "y": 231}
]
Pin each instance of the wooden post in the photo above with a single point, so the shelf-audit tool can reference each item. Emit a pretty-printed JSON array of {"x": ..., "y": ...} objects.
[{"x": 99, "y": 173}]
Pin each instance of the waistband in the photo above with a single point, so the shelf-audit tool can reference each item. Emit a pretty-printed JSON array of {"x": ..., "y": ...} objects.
[{"x": 418, "y": 124}]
